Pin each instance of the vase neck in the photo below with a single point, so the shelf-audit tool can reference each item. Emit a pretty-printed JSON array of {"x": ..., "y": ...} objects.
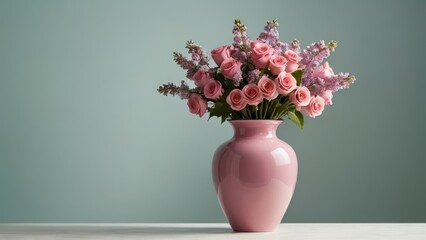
[{"x": 255, "y": 128}]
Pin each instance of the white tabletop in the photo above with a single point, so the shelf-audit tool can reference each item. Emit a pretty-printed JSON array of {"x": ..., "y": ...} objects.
[{"x": 217, "y": 231}]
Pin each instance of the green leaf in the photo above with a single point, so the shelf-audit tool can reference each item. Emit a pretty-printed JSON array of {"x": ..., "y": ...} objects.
[
  {"x": 220, "y": 110},
  {"x": 298, "y": 76},
  {"x": 301, "y": 118},
  {"x": 295, "y": 118},
  {"x": 282, "y": 110},
  {"x": 223, "y": 118}
]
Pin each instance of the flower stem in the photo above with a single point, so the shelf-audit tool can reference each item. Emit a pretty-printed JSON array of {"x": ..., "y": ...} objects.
[
  {"x": 265, "y": 111},
  {"x": 256, "y": 112}
]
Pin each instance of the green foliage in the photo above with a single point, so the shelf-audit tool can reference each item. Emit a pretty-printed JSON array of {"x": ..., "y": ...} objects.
[
  {"x": 298, "y": 76},
  {"x": 297, "y": 118},
  {"x": 220, "y": 110}
]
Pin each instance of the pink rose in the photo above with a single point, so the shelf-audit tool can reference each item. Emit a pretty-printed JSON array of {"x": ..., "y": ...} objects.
[
  {"x": 277, "y": 64},
  {"x": 231, "y": 69},
  {"x": 260, "y": 53},
  {"x": 201, "y": 78},
  {"x": 221, "y": 53},
  {"x": 213, "y": 89},
  {"x": 197, "y": 105},
  {"x": 315, "y": 107},
  {"x": 293, "y": 61},
  {"x": 236, "y": 100},
  {"x": 327, "y": 95},
  {"x": 267, "y": 87},
  {"x": 323, "y": 71},
  {"x": 252, "y": 94},
  {"x": 286, "y": 83},
  {"x": 300, "y": 97}
]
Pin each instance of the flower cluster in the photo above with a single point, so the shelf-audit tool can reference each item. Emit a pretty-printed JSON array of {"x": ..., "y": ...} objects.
[{"x": 259, "y": 79}]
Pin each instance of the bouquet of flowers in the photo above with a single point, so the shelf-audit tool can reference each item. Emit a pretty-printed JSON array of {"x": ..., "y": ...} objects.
[{"x": 259, "y": 79}]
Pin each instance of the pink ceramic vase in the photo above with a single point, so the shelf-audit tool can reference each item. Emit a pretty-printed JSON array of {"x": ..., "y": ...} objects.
[{"x": 254, "y": 174}]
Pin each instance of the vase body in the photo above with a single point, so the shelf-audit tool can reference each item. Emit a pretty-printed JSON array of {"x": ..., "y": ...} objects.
[{"x": 254, "y": 175}]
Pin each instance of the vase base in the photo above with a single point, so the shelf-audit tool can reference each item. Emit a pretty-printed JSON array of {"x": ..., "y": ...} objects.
[{"x": 254, "y": 229}]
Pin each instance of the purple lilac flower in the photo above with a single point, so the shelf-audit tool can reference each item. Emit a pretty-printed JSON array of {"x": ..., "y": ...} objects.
[
  {"x": 285, "y": 46},
  {"x": 239, "y": 55},
  {"x": 237, "y": 79},
  {"x": 241, "y": 41},
  {"x": 195, "y": 57},
  {"x": 253, "y": 75},
  {"x": 318, "y": 86},
  {"x": 182, "y": 91},
  {"x": 315, "y": 53},
  {"x": 237, "y": 40},
  {"x": 270, "y": 35},
  {"x": 189, "y": 65},
  {"x": 190, "y": 72},
  {"x": 312, "y": 57},
  {"x": 295, "y": 45},
  {"x": 197, "y": 53},
  {"x": 183, "y": 62}
]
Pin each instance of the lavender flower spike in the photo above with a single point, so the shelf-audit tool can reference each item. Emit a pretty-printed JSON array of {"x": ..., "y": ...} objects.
[
  {"x": 294, "y": 46},
  {"x": 313, "y": 56},
  {"x": 241, "y": 41},
  {"x": 182, "y": 61},
  {"x": 253, "y": 76},
  {"x": 197, "y": 53},
  {"x": 315, "y": 53},
  {"x": 270, "y": 35},
  {"x": 182, "y": 91},
  {"x": 189, "y": 65},
  {"x": 318, "y": 86}
]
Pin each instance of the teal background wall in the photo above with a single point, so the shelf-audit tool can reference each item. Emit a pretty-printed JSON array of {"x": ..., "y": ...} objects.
[{"x": 85, "y": 137}]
